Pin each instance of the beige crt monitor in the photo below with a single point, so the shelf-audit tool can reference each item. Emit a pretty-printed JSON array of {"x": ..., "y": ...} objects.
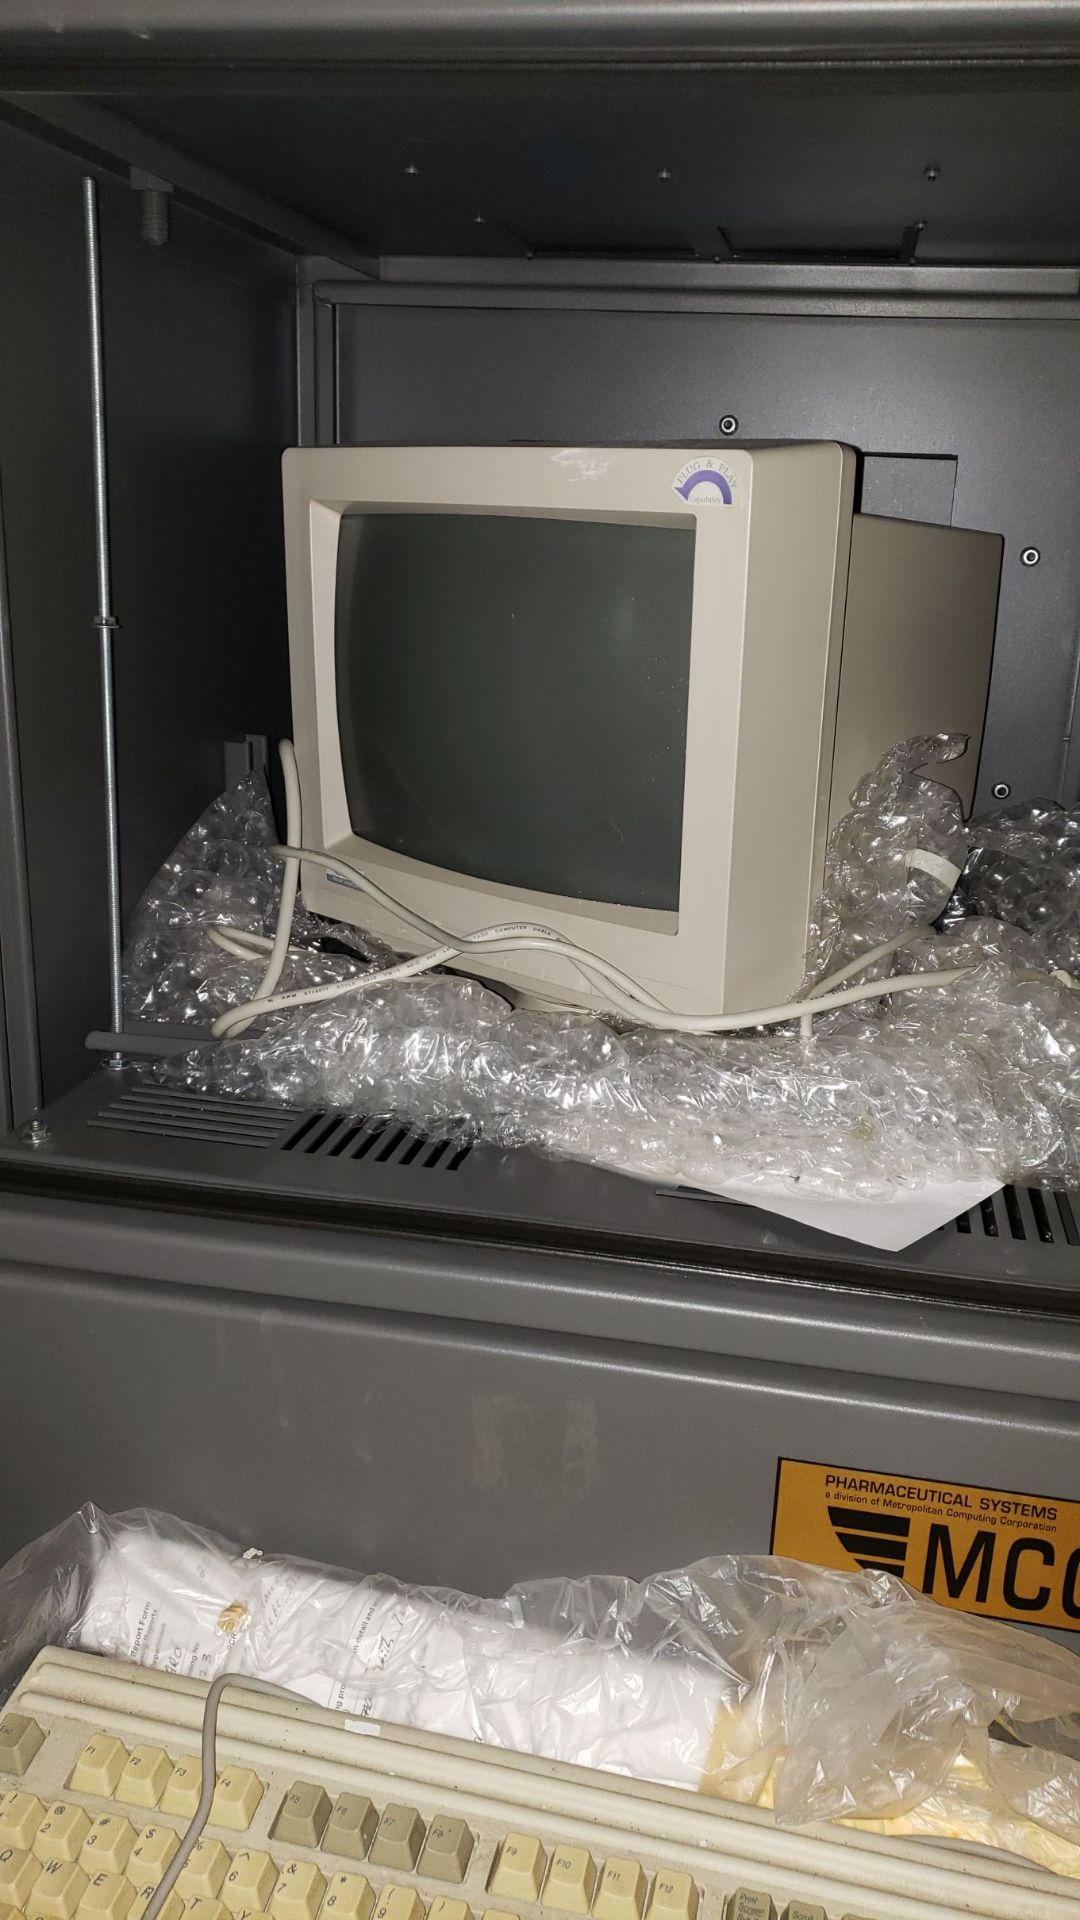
[{"x": 622, "y": 691}]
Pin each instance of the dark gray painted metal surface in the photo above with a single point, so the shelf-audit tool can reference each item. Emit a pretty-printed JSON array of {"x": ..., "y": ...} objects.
[
  {"x": 660, "y": 162},
  {"x": 997, "y": 398},
  {"x": 198, "y": 345},
  {"x": 118, "y": 1137},
  {"x": 465, "y": 1454},
  {"x": 92, "y": 132},
  {"x": 20, "y": 1063},
  {"x": 907, "y": 30}
]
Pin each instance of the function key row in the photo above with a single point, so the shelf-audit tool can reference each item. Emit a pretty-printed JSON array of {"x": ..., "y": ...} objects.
[
  {"x": 146, "y": 1777},
  {"x": 571, "y": 1882},
  {"x": 397, "y": 1838},
  {"x": 749, "y": 1905}
]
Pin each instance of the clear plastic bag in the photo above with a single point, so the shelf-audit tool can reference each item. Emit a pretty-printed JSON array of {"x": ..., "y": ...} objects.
[
  {"x": 970, "y": 1083},
  {"x": 757, "y": 1679}
]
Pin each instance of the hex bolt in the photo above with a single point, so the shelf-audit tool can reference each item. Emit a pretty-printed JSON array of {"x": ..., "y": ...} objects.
[{"x": 36, "y": 1133}]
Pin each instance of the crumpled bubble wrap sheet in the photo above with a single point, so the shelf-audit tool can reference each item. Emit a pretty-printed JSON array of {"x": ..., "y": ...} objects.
[
  {"x": 973, "y": 1082},
  {"x": 823, "y": 1694},
  {"x": 1025, "y": 869}
]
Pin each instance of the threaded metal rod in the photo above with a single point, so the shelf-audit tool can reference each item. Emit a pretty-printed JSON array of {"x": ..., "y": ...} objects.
[{"x": 104, "y": 619}]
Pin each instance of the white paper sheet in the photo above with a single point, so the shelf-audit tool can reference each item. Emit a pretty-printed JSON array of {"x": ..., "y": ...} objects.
[{"x": 876, "y": 1223}]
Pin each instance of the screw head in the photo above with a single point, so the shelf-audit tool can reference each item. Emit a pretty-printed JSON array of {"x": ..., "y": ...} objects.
[
  {"x": 663, "y": 173},
  {"x": 729, "y": 424},
  {"x": 1030, "y": 557},
  {"x": 412, "y": 169},
  {"x": 932, "y": 172},
  {"x": 1001, "y": 790}
]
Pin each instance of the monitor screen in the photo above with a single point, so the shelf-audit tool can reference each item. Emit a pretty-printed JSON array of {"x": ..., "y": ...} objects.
[{"x": 512, "y": 696}]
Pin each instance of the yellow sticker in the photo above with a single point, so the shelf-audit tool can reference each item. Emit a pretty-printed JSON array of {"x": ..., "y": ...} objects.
[{"x": 1010, "y": 1556}]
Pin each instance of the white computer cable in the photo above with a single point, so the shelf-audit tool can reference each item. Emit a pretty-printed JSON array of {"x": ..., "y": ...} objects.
[{"x": 620, "y": 991}]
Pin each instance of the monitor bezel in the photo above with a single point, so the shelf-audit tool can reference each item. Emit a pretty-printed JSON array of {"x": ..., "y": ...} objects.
[{"x": 685, "y": 956}]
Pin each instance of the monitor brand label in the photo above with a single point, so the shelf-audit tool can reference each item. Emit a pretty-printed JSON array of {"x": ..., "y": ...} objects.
[
  {"x": 985, "y": 1550},
  {"x": 707, "y": 482}
]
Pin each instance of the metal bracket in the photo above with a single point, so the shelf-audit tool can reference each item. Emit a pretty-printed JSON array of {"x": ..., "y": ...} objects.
[{"x": 154, "y": 1041}]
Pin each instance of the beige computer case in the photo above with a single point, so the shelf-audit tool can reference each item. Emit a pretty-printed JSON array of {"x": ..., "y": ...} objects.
[{"x": 918, "y": 636}]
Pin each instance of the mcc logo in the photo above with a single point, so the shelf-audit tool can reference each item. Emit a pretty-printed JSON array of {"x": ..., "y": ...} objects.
[{"x": 985, "y": 1550}]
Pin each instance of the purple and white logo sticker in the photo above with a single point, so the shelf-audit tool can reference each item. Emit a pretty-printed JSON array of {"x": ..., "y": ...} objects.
[{"x": 706, "y": 482}]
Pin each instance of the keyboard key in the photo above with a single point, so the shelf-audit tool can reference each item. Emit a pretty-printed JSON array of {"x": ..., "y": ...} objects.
[
  {"x": 108, "y": 1897},
  {"x": 621, "y": 1893},
  {"x": 203, "y": 1871},
  {"x": 399, "y": 1903},
  {"x": 519, "y": 1868},
  {"x": 249, "y": 1883},
  {"x": 57, "y": 1891},
  {"x": 236, "y": 1799},
  {"x": 172, "y": 1910},
  {"x": 99, "y": 1766},
  {"x": 145, "y": 1777},
  {"x": 674, "y": 1897},
  {"x": 20, "y": 1738},
  {"x": 21, "y": 1815},
  {"x": 184, "y": 1786},
  {"x": 18, "y": 1872},
  {"x": 745, "y": 1905},
  {"x": 447, "y": 1849},
  {"x": 304, "y": 1813},
  {"x": 798, "y": 1910},
  {"x": 206, "y": 1910},
  {"x": 299, "y": 1891},
  {"x": 348, "y": 1897},
  {"x": 151, "y": 1854},
  {"x": 398, "y": 1839},
  {"x": 62, "y": 1832},
  {"x": 108, "y": 1844},
  {"x": 351, "y": 1826},
  {"x": 570, "y": 1880},
  {"x": 445, "y": 1909}
]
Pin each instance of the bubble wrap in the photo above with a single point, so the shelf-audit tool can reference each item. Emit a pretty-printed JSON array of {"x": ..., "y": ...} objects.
[
  {"x": 972, "y": 1081},
  {"x": 1025, "y": 869},
  {"x": 758, "y": 1679}
]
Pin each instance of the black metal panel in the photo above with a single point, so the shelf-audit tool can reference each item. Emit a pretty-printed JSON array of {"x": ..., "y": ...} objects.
[
  {"x": 697, "y": 164},
  {"x": 198, "y": 346},
  {"x": 999, "y": 399}
]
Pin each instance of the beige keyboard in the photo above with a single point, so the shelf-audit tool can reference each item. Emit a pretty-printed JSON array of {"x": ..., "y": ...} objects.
[{"x": 319, "y": 1816}]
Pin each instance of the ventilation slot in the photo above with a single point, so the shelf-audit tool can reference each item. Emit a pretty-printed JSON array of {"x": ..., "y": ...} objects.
[
  {"x": 1025, "y": 1213},
  {"x": 379, "y": 1141},
  {"x": 176, "y": 1115}
]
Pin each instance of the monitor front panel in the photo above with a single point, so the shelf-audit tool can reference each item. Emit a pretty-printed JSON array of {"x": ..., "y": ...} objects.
[{"x": 521, "y": 692}]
